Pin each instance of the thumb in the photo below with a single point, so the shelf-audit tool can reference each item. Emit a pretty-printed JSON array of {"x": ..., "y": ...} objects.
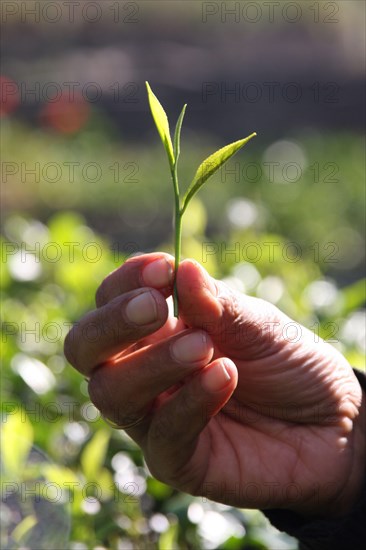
[{"x": 236, "y": 323}]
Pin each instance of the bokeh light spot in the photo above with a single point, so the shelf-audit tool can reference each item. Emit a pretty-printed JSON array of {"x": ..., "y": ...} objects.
[
  {"x": 9, "y": 96},
  {"x": 67, "y": 115}
]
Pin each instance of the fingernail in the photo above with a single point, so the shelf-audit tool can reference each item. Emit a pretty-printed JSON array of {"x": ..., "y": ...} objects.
[
  {"x": 142, "y": 309},
  {"x": 215, "y": 378},
  {"x": 158, "y": 274},
  {"x": 191, "y": 348}
]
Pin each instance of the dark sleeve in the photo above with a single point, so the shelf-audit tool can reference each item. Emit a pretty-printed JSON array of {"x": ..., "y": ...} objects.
[{"x": 333, "y": 534}]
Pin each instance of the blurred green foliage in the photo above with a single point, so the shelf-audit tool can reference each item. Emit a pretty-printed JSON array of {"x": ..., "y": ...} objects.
[{"x": 267, "y": 238}]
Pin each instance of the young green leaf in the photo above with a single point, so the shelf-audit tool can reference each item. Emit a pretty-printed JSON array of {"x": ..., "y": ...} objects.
[
  {"x": 16, "y": 443},
  {"x": 209, "y": 166},
  {"x": 93, "y": 455},
  {"x": 162, "y": 124},
  {"x": 177, "y": 132}
]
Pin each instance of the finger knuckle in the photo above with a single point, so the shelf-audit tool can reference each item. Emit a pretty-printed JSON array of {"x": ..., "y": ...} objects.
[
  {"x": 112, "y": 322},
  {"x": 100, "y": 390},
  {"x": 70, "y": 347},
  {"x": 101, "y": 296}
]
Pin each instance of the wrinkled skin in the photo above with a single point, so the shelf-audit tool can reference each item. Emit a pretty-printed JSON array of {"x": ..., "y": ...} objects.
[{"x": 261, "y": 414}]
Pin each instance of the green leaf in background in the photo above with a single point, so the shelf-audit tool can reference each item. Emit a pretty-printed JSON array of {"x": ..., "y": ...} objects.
[
  {"x": 354, "y": 296},
  {"x": 60, "y": 475},
  {"x": 106, "y": 484},
  {"x": 16, "y": 442},
  {"x": 169, "y": 539},
  {"x": 356, "y": 359},
  {"x": 177, "y": 132},
  {"x": 23, "y": 528},
  {"x": 162, "y": 124},
  {"x": 209, "y": 166},
  {"x": 93, "y": 456}
]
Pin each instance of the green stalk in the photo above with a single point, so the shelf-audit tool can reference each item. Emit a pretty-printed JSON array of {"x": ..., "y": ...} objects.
[{"x": 178, "y": 236}]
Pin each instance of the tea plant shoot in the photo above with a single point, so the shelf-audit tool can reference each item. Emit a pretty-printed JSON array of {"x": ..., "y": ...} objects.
[{"x": 205, "y": 170}]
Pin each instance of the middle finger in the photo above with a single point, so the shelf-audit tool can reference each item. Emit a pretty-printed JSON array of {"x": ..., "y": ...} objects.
[{"x": 128, "y": 387}]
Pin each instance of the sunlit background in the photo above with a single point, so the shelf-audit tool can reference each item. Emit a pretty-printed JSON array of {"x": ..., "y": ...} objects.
[{"x": 85, "y": 185}]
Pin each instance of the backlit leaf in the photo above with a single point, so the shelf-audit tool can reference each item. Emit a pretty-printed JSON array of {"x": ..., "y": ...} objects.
[
  {"x": 209, "y": 166},
  {"x": 162, "y": 123},
  {"x": 177, "y": 132}
]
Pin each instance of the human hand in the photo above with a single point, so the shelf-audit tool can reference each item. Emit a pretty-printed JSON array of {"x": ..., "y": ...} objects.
[{"x": 234, "y": 401}]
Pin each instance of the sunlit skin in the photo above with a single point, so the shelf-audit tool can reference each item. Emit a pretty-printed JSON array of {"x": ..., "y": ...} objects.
[{"x": 260, "y": 415}]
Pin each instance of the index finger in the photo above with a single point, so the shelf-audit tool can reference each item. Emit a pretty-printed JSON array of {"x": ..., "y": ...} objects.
[{"x": 148, "y": 270}]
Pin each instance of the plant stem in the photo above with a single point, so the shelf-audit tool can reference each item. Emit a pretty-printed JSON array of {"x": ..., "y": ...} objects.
[{"x": 177, "y": 237}]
